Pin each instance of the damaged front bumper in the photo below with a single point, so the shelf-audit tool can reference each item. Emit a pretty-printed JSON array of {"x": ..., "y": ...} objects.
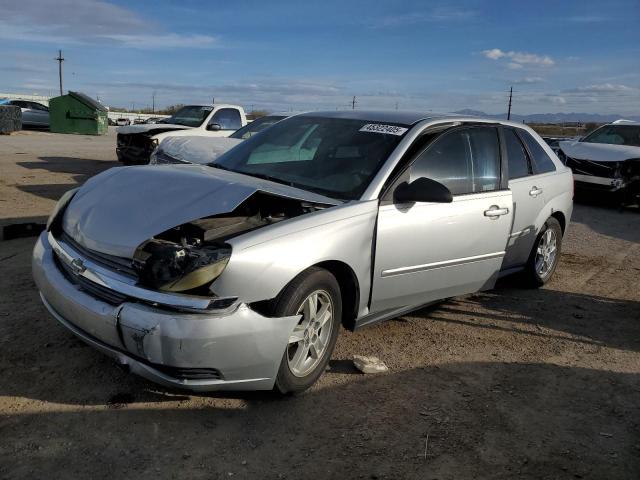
[
  {"x": 231, "y": 349},
  {"x": 134, "y": 149},
  {"x": 613, "y": 177}
]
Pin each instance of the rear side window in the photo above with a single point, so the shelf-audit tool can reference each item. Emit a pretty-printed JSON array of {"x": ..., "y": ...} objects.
[
  {"x": 465, "y": 161},
  {"x": 516, "y": 154},
  {"x": 542, "y": 161},
  {"x": 227, "y": 118}
]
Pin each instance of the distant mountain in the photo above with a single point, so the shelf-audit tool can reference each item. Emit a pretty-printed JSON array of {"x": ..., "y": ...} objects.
[{"x": 553, "y": 117}]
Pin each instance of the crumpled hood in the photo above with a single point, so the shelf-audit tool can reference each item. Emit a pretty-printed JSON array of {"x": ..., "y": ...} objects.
[
  {"x": 147, "y": 127},
  {"x": 197, "y": 149},
  {"x": 117, "y": 210},
  {"x": 599, "y": 152}
]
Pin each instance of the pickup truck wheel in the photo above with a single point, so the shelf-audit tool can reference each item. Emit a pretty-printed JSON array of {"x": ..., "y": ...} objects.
[
  {"x": 315, "y": 295},
  {"x": 544, "y": 257}
]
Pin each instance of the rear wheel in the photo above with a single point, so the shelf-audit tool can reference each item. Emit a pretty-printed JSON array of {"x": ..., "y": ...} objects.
[
  {"x": 315, "y": 296},
  {"x": 544, "y": 257}
]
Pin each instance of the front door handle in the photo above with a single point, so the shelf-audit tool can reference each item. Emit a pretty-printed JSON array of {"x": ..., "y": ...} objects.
[
  {"x": 495, "y": 211},
  {"x": 535, "y": 191}
]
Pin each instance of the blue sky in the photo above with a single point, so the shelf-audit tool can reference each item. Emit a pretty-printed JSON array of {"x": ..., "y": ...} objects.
[{"x": 570, "y": 56}]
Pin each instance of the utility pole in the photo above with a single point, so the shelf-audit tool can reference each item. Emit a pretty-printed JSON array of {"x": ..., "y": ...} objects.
[
  {"x": 353, "y": 103},
  {"x": 153, "y": 102},
  {"x": 60, "y": 59},
  {"x": 509, "y": 109},
  {"x": 213, "y": 100}
]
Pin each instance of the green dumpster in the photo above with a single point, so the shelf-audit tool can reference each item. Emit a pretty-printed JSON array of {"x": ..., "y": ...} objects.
[{"x": 77, "y": 113}]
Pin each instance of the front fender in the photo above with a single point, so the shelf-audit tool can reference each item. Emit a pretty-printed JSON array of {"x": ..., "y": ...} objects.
[{"x": 266, "y": 260}]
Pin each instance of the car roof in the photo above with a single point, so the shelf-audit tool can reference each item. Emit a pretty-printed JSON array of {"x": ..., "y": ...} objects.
[
  {"x": 391, "y": 116},
  {"x": 622, "y": 121}
]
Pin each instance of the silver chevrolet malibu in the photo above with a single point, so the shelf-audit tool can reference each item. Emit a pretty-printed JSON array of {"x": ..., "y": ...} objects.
[{"x": 239, "y": 274}]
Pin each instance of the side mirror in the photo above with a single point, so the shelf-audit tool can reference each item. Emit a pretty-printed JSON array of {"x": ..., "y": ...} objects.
[
  {"x": 422, "y": 190},
  {"x": 214, "y": 127}
]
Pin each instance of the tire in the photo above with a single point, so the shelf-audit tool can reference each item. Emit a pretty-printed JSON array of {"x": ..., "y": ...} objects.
[
  {"x": 540, "y": 268},
  {"x": 299, "y": 372}
]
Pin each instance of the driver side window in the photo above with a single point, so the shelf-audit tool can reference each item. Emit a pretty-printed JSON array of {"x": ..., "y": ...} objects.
[
  {"x": 227, "y": 118},
  {"x": 466, "y": 160}
]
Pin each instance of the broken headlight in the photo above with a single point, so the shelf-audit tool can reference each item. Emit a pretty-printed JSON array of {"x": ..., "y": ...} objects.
[{"x": 174, "y": 267}]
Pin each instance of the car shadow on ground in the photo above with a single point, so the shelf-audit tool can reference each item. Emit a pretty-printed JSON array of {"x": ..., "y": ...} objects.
[
  {"x": 459, "y": 420},
  {"x": 81, "y": 169},
  {"x": 545, "y": 313}
]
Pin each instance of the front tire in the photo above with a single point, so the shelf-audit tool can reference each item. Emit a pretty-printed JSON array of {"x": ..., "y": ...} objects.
[
  {"x": 315, "y": 295},
  {"x": 545, "y": 255}
]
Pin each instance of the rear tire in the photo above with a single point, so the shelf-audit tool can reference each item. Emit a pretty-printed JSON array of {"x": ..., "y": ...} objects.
[
  {"x": 314, "y": 294},
  {"x": 545, "y": 254}
]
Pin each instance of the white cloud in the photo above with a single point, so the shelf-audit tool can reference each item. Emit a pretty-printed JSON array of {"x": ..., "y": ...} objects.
[
  {"x": 603, "y": 88},
  {"x": 514, "y": 66},
  {"x": 494, "y": 53},
  {"x": 172, "y": 40},
  {"x": 439, "y": 14},
  {"x": 519, "y": 58},
  {"x": 89, "y": 22},
  {"x": 528, "y": 80}
]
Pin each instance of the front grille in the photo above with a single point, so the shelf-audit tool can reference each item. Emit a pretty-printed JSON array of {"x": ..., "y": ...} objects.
[
  {"x": 101, "y": 293},
  {"x": 588, "y": 167},
  {"x": 111, "y": 262}
]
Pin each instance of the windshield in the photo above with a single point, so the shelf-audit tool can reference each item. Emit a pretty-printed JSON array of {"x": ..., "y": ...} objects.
[
  {"x": 334, "y": 157},
  {"x": 191, "y": 116},
  {"x": 616, "y": 135},
  {"x": 256, "y": 126}
]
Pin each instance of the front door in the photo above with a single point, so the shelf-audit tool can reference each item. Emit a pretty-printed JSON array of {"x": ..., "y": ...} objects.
[{"x": 428, "y": 251}]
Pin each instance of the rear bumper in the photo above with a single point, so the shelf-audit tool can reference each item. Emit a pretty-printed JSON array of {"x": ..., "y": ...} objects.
[{"x": 237, "y": 350}]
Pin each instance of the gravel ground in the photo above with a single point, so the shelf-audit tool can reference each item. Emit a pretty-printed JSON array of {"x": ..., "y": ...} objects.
[{"x": 512, "y": 383}]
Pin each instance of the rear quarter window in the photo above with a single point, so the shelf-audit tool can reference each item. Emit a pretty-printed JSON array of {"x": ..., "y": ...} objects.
[{"x": 542, "y": 161}]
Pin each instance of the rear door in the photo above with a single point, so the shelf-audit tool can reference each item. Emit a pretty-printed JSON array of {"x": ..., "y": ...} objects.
[
  {"x": 429, "y": 251},
  {"x": 527, "y": 192}
]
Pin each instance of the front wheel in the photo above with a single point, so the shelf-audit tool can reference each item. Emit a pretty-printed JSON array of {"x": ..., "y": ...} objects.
[
  {"x": 545, "y": 255},
  {"x": 315, "y": 296}
]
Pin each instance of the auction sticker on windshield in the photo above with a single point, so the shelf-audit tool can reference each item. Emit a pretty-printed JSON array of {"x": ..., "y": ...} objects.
[{"x": 379, "y": 128}]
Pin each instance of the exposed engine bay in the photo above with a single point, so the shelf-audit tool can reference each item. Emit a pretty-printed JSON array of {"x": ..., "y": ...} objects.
[{"x": 187, "y": 257}]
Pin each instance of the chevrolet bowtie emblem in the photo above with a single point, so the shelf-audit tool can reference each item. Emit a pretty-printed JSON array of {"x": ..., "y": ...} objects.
[{"x": 77, "y": 266}]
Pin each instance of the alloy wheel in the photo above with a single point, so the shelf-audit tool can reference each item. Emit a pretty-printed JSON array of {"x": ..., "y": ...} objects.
[
  {"x": 310, "y": 338},
  {"x": 546, "y": 252}
]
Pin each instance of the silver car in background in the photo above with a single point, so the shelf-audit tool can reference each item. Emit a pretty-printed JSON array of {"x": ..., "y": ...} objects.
[
  {"x": 239, "y": 275},
  {"x": 34, "y": 114}
]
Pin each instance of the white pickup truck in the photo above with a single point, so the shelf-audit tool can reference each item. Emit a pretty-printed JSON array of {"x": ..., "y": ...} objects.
[{"x": 136, "y": 142}]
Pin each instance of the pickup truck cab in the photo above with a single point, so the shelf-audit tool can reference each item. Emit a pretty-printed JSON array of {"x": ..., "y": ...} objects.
[{"x": 135, "y": 143}]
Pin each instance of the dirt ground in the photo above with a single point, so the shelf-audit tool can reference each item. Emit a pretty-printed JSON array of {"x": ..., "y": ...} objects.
[{"x": 511, "y": 383}]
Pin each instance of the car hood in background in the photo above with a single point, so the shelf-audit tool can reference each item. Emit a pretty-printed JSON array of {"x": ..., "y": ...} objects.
[
  {"x": 146, "y": 127},
  {"x": 117, "y": 210},
  {"x": 197, "y": 149},
  {"x": 599, "y": 152}
]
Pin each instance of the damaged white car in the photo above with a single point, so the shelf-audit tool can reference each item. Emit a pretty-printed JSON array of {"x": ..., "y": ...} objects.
[
  {"x": 205, "y": 150},
  {"x": 239, "y": 275},
  {"x": 136, "y": 143},
  {"x": 607, "y": 160}
]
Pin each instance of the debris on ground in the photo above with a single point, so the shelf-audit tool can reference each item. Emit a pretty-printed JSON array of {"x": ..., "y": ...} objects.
[{"x": 369, "y": 364}]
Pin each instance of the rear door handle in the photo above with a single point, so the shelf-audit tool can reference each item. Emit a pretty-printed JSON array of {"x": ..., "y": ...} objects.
[
  {"x": 495, "y": 211},
  {"x": 535, "y": 191}
]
